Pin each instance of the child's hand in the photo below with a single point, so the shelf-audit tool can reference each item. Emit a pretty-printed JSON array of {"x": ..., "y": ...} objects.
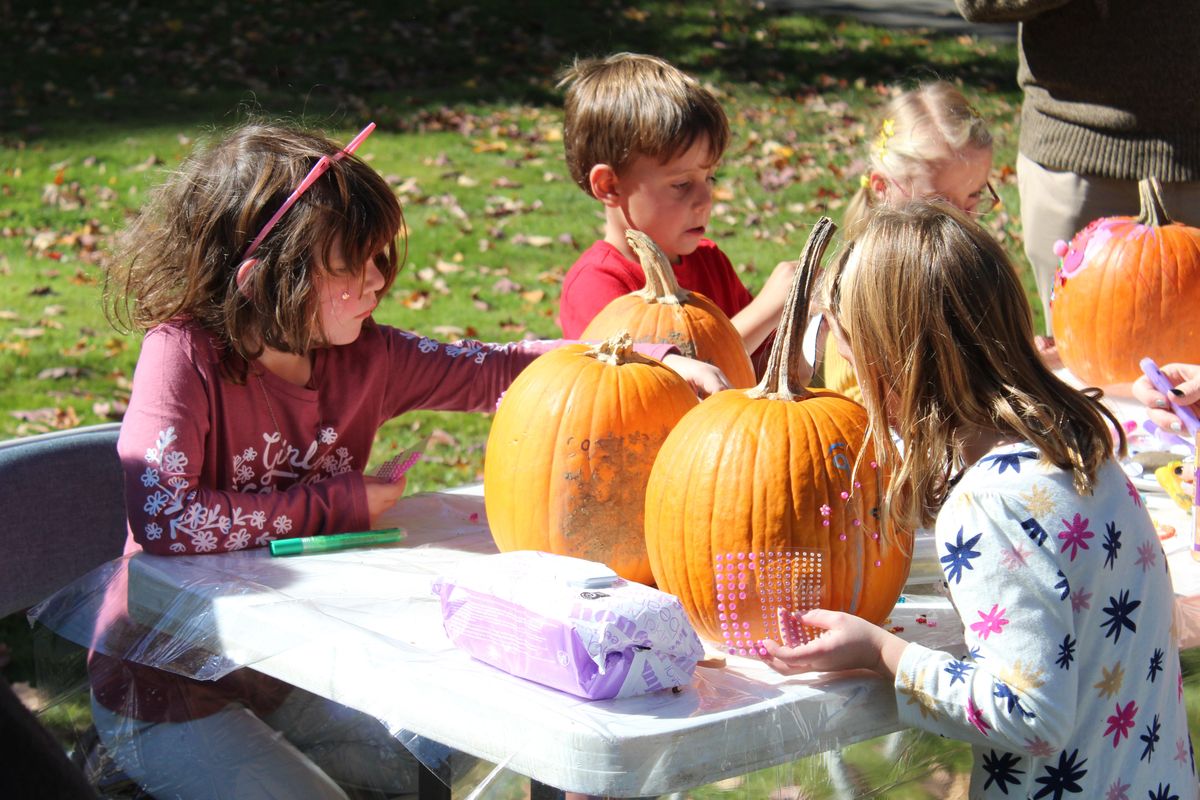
[
  {"x": 1186, "y": 378},
  {"x": 849, "y": 642},
  {"x": 704, "y": 378},
  {"x": 382, "y": 495}
]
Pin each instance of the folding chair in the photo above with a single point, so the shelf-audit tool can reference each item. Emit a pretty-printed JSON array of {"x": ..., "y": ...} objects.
[{"x": 62, "y": 513}]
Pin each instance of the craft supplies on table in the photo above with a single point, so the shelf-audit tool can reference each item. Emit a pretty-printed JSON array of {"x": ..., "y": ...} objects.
[{"x": 567, "y": 623}]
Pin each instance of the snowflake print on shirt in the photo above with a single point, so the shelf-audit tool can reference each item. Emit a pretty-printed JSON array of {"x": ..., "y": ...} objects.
[
  {"x": 957, "y": 670},
  {"x": 1110, "y": 684},
  {"x": 1002, "y": 769},
  {"x": 1075, "y": 535},
  {"x": 990, "y": 622},
  {"x": 1119, "y": 610},
  {"x": 1156, "y": 664},
  {"x": 1120, "y": 723},
  {"x": 975, "y": 717},
  {"x": 1112, "y": 543},
  {"x": 1163, "y": 793},
  {"x": 1148, "y": 555},
  {"x": 1062, "y": 778},
  {"x": 958, "y": 556},
  {"x": 1118, "y": 791},
  {"x": 1066, "y": 652},
  {"x": 1005, "y": 461},
  {"x": 1150, "y": 737},
  {"x": 1133, "y": 493}
]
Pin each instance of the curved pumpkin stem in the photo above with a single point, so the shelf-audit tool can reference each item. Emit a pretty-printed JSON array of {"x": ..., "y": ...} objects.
[
  {"x": 617, "y": 350},
  {"x": 1153, "y": 212},
  {"x": 786, "y": 352},
  {"x": 661, "y": 284}
]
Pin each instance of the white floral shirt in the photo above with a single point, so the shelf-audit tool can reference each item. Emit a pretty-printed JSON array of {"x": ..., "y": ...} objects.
[{"x": 1071, "y": 686}]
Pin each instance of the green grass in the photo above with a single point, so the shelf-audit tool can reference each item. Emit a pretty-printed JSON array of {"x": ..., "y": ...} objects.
[{"x": 99, "y": 101}]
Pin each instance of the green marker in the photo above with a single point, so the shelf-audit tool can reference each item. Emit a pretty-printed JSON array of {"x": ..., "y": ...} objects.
[{"x": 334, "y": 541}]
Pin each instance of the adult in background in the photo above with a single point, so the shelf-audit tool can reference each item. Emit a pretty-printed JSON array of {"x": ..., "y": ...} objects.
[{"x": 1110, "y": 97}]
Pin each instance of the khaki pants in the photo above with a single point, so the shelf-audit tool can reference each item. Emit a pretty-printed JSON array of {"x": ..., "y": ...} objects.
[{"x": 1056, "y": 205}]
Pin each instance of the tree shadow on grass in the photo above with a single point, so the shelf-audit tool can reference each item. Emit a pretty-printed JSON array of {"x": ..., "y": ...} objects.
[{"x": 74, "y": 67}]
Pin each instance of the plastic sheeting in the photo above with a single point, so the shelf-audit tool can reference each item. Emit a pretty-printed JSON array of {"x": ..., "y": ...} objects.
[{"x": 362, "y": 628}]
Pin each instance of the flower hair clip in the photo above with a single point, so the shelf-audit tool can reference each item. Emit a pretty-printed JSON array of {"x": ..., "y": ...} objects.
[{"x": 886, "y": 131}]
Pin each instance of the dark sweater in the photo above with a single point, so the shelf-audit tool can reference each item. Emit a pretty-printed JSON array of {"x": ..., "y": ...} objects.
[{"x": 1110, "y": 85}]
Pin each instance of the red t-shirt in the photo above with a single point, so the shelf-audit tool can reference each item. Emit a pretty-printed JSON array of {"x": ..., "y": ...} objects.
[{"x": 602, "y": 274}]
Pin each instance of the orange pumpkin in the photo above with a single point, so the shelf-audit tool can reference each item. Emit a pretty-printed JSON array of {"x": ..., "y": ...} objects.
[
  {"x": 768, "y": 499},
  {"x": 1128, "y": 287},
  {"x": 570, "y": 450},
  {"x": 664, "y": 312}
]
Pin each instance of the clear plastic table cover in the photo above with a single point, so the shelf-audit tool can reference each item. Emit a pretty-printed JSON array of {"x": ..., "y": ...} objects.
[{"x": 362, "y": 628}]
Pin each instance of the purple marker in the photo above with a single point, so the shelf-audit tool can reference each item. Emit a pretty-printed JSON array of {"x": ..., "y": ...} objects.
[
  {"x": 1164, "y": 436},
  {"x": 1160, "y": 382}
]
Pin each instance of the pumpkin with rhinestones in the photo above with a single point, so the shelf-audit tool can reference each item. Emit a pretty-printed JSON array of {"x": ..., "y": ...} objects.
[
  {"x": 663, "y": 312},
  {"x": 766, "y": 501},
  {"x": 1127, "y": 288},
  {"x": 570, "y": 450}
]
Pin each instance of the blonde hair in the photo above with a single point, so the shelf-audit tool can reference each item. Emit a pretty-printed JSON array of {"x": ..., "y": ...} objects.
[
  {"x": 941, "y": 333},
  {"x": 180, "y": 257},
  {"x": 628, "y": 105},
  {"x": 919, "y": 129}
]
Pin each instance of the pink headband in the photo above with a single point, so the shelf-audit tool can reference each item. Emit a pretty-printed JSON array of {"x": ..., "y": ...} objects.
[{"x": 317, "y": 171}]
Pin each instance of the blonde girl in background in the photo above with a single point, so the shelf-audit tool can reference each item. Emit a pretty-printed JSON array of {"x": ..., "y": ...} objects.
[{"x": 931, "y": 144}]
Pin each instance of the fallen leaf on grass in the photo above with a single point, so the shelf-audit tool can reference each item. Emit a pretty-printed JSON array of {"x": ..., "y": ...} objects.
[{"x": 58, "y": 373}]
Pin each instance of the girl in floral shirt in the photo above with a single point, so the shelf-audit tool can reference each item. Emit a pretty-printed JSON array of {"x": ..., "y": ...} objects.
[
  {"x": 260, "y": 386},
  {"x": 1071, "y": 684}
]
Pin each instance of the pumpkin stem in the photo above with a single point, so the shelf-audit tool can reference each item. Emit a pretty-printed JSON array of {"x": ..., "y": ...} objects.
[
  {"x": 787, "y": 352},
  {"x": 617, "y": 350},
  {"x": 1153, "y": 212},
  {"x": 661, "y": 284}
]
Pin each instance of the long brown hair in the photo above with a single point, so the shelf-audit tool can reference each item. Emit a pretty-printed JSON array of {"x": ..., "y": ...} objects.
[
  {"x": 941, "y": 334},
  {"x": 180, "y": 257}
]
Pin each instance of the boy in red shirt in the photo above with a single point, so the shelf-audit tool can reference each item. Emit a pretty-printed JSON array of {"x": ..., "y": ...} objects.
[{"x": 645, "y": 139}]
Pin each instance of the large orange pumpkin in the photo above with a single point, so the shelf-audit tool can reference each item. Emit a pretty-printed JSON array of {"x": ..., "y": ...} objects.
[
  {"x": 570, "y": 450},
  {"x": 1128, "y": 287},
  {"x": 665, "y": 313},
  {"x": 768, "y": 499}
]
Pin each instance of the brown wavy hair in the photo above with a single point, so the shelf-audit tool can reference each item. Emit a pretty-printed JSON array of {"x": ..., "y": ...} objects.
[
  {"x": 628, "y": 105},
  {"x": 179, "y": 258},
  {"x": 941, "y": 334}
]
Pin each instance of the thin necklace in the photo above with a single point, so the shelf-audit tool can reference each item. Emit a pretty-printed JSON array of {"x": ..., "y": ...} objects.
[{"x": 318, "y": 455}]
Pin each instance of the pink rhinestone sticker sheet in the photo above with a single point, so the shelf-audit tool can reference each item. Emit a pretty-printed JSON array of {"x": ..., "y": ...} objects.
[{"x": 767, "y": 587}]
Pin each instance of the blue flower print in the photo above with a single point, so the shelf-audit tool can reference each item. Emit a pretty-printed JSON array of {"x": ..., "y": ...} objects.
[
  {"x": 1063, "y": 586},
  {"x": 1119, "y": 615},
  {"x": 957, "y": 670},
  {"x": 1163, "y": 793},
  {"x": 1156, "y": 664},
  {"x": 1066, "y": 652},
  {"x": 959, "y": 556},
  {"x": 1150, "y": 737},
  {"x": 1112, "y": 543},
  {"x": 1013, "y": 700},
  {"x": 1001, "y": 769},
  {"x": 1035, "y": 531},
  {"x": 1062, "y": 778},
  {"x": 1004, "y": 461}
]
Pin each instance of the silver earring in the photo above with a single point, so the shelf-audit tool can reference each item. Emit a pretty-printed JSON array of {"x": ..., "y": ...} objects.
[{"x": 345, "y": 295}]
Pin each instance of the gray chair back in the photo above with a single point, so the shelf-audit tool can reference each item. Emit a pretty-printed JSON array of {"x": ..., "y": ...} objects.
[{"x": 62, "y": 511}]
